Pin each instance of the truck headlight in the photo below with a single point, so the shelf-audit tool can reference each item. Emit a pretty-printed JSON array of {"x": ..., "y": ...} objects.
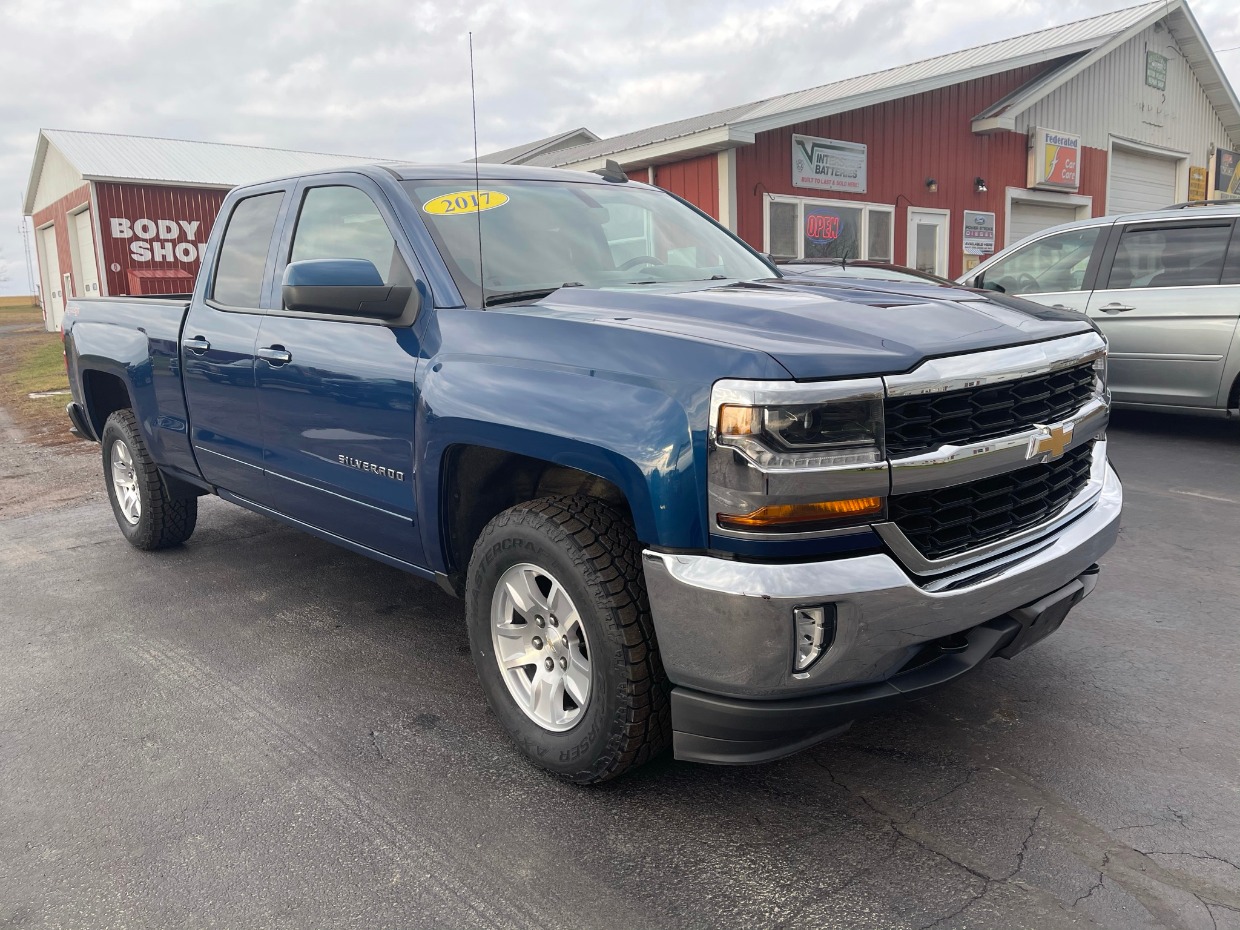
[
  {"x": 1100, "y": 377},
  {"x": 796, "y": 459},
  {"x": 805, "y": 435}
]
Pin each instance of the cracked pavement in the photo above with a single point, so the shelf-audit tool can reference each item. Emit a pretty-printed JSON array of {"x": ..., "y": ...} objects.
[{"x": 259, "y": 729}]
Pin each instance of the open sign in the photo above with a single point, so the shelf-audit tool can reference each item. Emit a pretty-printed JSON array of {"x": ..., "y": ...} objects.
[{"x": 822, "y": 227}]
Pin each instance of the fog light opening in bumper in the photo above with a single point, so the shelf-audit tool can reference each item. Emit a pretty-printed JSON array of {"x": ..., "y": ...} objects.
[{"x": 814, "y": 628}]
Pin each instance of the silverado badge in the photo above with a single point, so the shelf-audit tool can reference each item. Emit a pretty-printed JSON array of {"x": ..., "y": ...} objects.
[{"x": 1050, "y": 442}]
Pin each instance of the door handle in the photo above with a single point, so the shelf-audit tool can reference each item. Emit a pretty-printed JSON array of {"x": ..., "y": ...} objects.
[
  {"x": 275, "y": 355},
  {"x": 1116, "y": 308},
  {"x": 197, "y": 345},
  {"x": 1060, "y": 307}
]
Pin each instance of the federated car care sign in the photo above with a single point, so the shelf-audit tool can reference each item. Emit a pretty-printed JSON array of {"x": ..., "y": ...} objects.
[
  {"x": 1054, "y": 160},
  {"x": 828, "y": 164},
  {"x": 979, "y": 232},
  {"x": 460, "y": 202}
]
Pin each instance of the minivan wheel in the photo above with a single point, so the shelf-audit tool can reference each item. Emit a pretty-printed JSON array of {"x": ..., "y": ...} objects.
[
  {"x": 560, "y": 629},
  {"x": 149, "y": 517}
]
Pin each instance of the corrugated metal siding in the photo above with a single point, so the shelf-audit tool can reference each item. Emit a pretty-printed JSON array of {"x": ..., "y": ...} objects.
[
  {"x": 105, "y": 155},
  {"x": 130, "y": 203},
  {"x": 695, "y": 179},
  {"x": 909, "y": 140},
  {"x": 1110, "y": 98},
  {"x": 56, "y": 179}
]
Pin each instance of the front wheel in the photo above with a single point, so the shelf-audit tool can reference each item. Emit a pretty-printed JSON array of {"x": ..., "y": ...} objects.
[
  {"x": 561, "y": 634},
  {"x": 147, "y": 514}
]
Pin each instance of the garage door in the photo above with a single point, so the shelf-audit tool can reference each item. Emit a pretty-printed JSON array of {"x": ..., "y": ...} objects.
[
  {"x": 53, "y": 298},
  {"x": 88, "y": 270},
  {"x": 1140, "y": 182},
  {"x": 1028, "y": 218}
]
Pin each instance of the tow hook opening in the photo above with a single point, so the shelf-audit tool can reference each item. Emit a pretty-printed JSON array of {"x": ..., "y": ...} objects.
[{"x": 936, "y": 648}]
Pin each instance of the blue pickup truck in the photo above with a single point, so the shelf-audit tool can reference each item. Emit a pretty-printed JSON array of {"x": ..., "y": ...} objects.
[{"x": 688, "y": 500}]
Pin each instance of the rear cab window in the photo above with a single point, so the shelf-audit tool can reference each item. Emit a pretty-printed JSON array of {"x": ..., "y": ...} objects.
[{"x": 239, "y": 271}]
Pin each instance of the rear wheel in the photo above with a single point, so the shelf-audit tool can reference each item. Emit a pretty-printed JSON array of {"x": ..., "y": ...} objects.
[
  {"x": 562, "y": 638},
  {"x": 148, "y": 515}
]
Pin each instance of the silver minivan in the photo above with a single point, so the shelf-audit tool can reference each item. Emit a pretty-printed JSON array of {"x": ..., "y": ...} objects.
[{"x": 1164, "y": 288}]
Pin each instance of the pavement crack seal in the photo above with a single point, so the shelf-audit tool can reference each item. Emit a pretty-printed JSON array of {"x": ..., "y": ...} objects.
[
  {"x": 296, "y": 751},
  {"x": 1135, "y": 871},
  {"x": 908, "y": 829}
]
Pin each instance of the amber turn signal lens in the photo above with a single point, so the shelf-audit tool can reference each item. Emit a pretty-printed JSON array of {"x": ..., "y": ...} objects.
[
  {"x": 780, "y": 515},
  {"x": 735, "y": 420}
]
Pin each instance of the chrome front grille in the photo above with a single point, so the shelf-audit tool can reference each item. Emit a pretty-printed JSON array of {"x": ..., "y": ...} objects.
[
  {"x": 921, "y": 423},
  {"x": 945, "y": 521}
]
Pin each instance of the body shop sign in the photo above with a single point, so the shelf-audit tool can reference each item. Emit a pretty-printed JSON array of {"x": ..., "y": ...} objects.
[
  {"x": 1054, "y": 160},
  {"x": 828, "y": 164},
  {"x": 159, "y": 240}
]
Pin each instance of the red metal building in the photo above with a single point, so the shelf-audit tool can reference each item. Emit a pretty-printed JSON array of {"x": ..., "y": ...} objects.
[
  {"x": 937, "y": 163},
  {"x": 117, "y": 215}
]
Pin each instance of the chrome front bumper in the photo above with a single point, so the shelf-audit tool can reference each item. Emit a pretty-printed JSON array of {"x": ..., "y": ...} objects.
[{"x": 726, "y": 627}]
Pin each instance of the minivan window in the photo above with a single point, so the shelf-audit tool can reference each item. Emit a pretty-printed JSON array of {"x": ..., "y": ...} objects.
[
  {"x": 243, "y": 251},
  {"x": 1183, "y": 256},
  {"x": 1048, "y": 265}
]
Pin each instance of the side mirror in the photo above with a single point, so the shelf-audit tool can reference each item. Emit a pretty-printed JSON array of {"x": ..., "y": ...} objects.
[{"x": 349, "y": 286}]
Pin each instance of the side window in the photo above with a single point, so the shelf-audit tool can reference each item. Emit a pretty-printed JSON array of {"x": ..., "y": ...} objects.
[
  {"x": 343, "y": 222},
  {"x": 1184, "y": 256},
  {"x": 243, "y": 251},
  {"x": 1054, "y": 263}
]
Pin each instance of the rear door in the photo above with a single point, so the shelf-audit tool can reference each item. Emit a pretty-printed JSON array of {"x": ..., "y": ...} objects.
[
  {"x": 337, "y": 392},
  {"x": 217, "y": 348},
  {"x": 1167, "y": 316}
]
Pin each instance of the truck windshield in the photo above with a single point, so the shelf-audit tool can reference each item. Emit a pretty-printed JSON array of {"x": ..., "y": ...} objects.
[{"x": 538, "y": 236}]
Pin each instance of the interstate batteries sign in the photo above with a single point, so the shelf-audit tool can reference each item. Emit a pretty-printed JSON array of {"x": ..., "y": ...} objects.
[
  {"x": 828, "y": 164},
  {"x": 1054, "y": 160}
]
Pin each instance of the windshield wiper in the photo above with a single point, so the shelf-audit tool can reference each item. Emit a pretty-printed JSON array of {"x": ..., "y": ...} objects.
[{"x": 513, "y": 297}]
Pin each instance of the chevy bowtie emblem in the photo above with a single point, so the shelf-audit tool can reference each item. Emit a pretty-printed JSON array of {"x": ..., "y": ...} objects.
[{"x": 1050, "y": 441}]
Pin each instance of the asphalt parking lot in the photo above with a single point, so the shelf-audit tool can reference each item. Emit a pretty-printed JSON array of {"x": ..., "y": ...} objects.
[{"x": 261, "y": 730}]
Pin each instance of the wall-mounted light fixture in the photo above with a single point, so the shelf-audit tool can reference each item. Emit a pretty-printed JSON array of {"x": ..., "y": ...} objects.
[
  {"x": 979, "y": 185},
  {"x": 932, "y": 185}
]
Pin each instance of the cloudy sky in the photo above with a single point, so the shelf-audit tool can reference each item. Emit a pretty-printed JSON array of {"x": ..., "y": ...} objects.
[{"x": 391, "y": 79}]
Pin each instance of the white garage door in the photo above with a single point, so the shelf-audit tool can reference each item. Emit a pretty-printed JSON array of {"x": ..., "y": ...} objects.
[
  {"x": 53, "y": 298},
  {"x": 1140, "y": 182},
  {"x": 1028, "y": 218},
  {"x": 88, "y": 270}
]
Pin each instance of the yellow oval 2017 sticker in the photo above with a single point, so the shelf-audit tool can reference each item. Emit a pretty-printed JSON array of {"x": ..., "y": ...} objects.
[{"x": 465, "y": 202}]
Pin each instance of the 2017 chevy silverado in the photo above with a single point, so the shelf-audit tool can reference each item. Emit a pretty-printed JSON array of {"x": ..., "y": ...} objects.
[{"x": 687, "y": 500}]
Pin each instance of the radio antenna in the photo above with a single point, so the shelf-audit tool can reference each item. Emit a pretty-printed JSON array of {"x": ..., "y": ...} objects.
[{"x": 473, "y": 107}]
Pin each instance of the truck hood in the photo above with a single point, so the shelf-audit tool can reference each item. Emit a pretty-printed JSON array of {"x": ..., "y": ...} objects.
[{"x": 826, "y": 328}]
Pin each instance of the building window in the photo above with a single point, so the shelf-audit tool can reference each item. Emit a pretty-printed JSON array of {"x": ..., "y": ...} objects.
[{"x": 813, "y": 227}]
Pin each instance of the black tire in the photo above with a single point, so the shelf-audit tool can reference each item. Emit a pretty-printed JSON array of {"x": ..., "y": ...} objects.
[
  {"x": 590, "y": 547},
  {"x": 163, "y": 520}
]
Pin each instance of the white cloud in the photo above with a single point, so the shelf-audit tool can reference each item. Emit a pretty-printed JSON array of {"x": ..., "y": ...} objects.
[{"x": 391, "y": 78}]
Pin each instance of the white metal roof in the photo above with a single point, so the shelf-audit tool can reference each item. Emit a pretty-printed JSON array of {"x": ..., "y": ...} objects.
[
  {"x": 704, "y": 133},
  {"x": 520, "y": 154},
  {"x": 100, "y": 156}
]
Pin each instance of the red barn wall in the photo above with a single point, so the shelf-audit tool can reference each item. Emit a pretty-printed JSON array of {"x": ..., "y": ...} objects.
[
  {"x": 909, "y": 140},
  {"x": 58, "y": 213},
  {"x": 152, "y": 237},
  {"x": 695, "y": 179}
]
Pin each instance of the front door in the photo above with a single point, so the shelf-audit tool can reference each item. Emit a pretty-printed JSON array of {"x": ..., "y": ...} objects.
[
  {"x": 337, "y": 393},
  {"x": 927, "y": 240},
  {"x": 1167, "y": 318},
  {"x": 217, "y": 352}
]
